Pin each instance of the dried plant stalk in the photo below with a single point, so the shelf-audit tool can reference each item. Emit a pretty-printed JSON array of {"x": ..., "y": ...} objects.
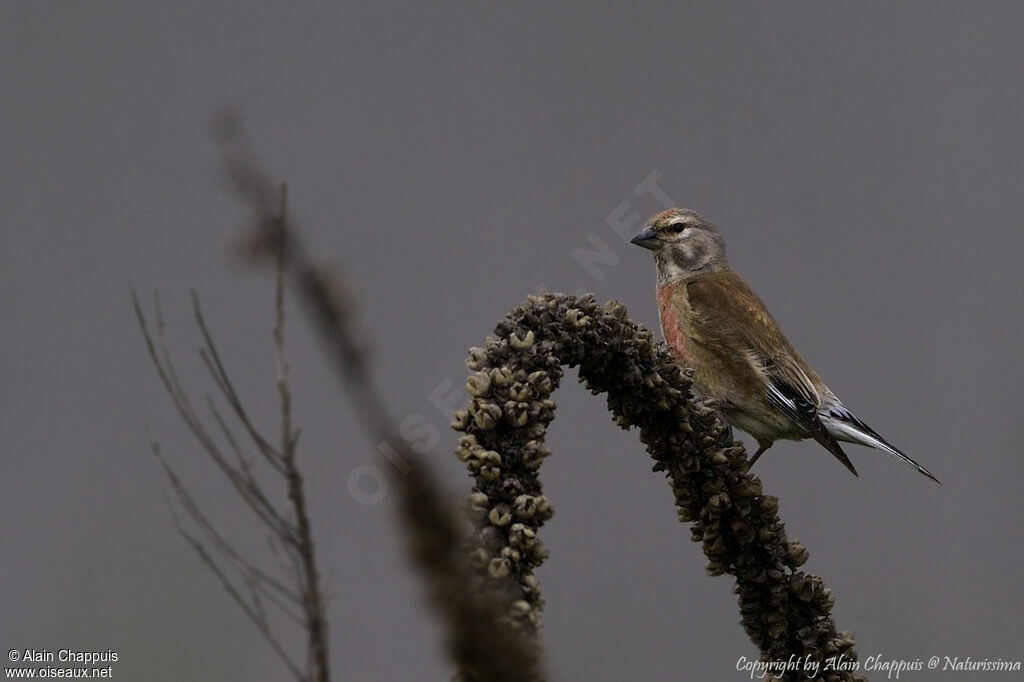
[{"x": 785, "y": 611}]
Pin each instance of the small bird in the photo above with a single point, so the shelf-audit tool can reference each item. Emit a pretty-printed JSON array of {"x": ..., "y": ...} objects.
[{"x": 715, "y": 324}]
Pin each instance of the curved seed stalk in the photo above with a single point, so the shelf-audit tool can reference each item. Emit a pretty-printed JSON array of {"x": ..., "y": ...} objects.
[{"x": 785, "y": 611}]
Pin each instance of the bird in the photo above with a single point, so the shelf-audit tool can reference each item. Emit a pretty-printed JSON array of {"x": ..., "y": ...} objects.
[{"x": 715, "y": 324}]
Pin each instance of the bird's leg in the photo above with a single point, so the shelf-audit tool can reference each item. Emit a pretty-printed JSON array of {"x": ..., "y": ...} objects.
[{"x": 760, "y": 451}]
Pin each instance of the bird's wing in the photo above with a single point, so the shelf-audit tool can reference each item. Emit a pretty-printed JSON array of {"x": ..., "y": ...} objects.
[{"x": 729, "y": 319}]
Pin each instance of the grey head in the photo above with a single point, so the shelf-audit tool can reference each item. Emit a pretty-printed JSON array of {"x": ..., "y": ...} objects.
[{"x": 683, "y": 244}]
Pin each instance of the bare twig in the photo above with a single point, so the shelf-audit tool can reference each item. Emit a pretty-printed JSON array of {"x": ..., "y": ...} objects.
[
  {"x": 316, "y": 624},
  {"x": 246, "y": 488},
  {"x": 255, "y": 616},
  {"x": 290, "y": 530},
  {"x": 214, "y": 365}
]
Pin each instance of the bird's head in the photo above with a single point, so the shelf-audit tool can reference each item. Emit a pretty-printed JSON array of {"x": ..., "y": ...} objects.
[{"x": 683, "y": 243}]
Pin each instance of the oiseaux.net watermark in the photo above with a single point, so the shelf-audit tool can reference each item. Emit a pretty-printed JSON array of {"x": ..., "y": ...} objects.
[
  {"x": 367, "y": 484},
  {"x": 60, "y": 663},
  {"x": 877, "y": 664}
]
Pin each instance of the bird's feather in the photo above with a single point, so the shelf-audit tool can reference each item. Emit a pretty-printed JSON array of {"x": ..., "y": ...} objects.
[
  {"x": 797, "y": 407},
  {"x": 727, "y": 314},
  {"x": 845, "y": 426},
  {"x": 729, "y": 319}
]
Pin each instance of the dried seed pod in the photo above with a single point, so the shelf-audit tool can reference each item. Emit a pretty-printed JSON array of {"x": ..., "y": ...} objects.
[
  {"x": 487, "y": 416},
  {"x": 797, "y": 553},
  {"x": 502, "y": 376},
  {"x": 499, "y": 567},
  {"x": 525, "y": 507},
  {"x": 479, "y": 384},
  {"x": 523, "y": 343},
  {"x": 499, "y": 516},
  {"x": 461, "y": 420},
  {"x": 477, "y": 358}
]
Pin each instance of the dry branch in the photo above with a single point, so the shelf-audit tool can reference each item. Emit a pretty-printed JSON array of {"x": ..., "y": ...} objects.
[{"x": 248, "y": 584}]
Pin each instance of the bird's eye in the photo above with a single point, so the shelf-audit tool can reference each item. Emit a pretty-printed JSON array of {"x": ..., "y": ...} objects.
[{"x": 678, "y": 227}]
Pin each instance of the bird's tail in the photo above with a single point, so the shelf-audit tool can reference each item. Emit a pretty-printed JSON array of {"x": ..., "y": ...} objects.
[{"x": 842, "y": 424}]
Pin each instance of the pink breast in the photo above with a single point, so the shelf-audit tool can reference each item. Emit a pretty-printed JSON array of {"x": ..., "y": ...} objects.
[{"x": 671, "y": 325}]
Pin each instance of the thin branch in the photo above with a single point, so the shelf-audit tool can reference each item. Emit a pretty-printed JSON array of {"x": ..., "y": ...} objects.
[
  {"x": 211, "y": 358},
  {"x": 216, "y": 538},
  {"x": 290, "y": 530},
  {"x": 243, "y": 463},
  {"x": 261, "y": 624},
  {"x": 316, "y": 623},
  {"x": 247, "y": 489}
]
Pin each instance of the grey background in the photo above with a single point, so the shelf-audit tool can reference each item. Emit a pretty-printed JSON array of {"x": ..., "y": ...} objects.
[{"x": 864, "y": 161}]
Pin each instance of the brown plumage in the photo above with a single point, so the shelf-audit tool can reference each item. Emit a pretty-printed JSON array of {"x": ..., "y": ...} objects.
[{"x": 716, "y": 325}]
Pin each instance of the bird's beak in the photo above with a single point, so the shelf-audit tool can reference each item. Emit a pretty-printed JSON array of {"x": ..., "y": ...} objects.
[{"x": 647, "y": 238}]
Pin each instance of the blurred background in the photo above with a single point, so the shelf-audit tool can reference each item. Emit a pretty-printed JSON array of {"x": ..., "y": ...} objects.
[{"x": 864, "y": 162}]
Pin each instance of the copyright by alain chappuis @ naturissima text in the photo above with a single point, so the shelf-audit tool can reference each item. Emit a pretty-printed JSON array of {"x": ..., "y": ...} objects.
[
  {"x": 879, "y": 664},
  {"x": 61, "y": 663}
]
